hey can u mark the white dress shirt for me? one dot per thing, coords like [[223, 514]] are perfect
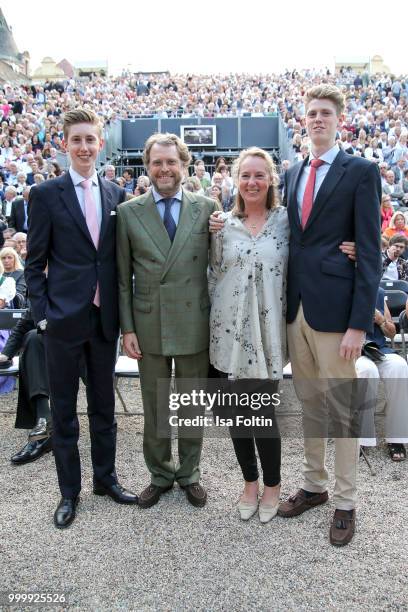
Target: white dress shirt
[[77, 179], [321, 172]]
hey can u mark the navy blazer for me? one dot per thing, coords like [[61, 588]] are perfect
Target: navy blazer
[[336, 293], [58, 235]]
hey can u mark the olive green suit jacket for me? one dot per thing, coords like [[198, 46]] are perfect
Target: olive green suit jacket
[[167, 304]]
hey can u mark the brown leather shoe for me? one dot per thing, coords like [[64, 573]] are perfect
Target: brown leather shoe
[[298, 503], [151, 495], [196, 494], [342, 528]]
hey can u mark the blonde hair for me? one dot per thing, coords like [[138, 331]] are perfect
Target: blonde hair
[[272, 198], [10, 251], [326, 92], [166, 140], [192, 184], [81, 115], [394, 216]]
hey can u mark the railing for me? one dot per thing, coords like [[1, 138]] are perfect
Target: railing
[[126, 138]]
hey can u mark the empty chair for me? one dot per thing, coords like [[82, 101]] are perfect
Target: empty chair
[[396, 301], [394, 285], [9, 317]]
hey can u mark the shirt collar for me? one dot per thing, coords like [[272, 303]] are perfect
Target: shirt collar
[[327, 157], [157, 197], [77, 178]]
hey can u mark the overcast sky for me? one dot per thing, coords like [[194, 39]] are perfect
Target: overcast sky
[[209, 37]]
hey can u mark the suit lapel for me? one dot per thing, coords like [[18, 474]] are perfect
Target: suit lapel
[[292, 192], [190, 211], [331, 179], [106, 204], [149, 217], [69, 197]]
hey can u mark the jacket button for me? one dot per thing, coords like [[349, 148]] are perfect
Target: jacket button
[[195, 257], [188, 304]]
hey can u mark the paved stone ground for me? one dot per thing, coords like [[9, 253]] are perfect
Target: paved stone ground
[[176, 557]]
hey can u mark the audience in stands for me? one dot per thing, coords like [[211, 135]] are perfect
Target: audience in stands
[[387, 211], [393, 189], [375, 126], [14, 269], [7, 294], [392, 369], [395, 267], [397, 225], [20, 238]]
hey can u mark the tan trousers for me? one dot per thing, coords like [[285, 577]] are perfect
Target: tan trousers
[[316, 364]]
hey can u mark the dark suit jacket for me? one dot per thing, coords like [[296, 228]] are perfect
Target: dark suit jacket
[[17, 217], [336, 294], [58, 235], [30, 178]]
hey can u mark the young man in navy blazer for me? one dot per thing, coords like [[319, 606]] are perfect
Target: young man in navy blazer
[[331, 197], [72, 223]]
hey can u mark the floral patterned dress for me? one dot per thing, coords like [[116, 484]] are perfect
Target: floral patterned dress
[[247, 286]]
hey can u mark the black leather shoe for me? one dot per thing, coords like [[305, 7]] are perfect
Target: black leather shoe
[[32, 451], [118, 493], [65, 512], [40, 431], [196, 494], [151, 495]]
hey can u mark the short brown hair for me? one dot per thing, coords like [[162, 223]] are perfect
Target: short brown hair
[[398, 238], [81, 115], [272, 198], [326, 92], [166, 140]]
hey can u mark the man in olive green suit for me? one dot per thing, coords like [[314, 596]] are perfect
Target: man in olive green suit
[[163, 243]]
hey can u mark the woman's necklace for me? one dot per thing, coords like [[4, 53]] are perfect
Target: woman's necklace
[[262, 219]]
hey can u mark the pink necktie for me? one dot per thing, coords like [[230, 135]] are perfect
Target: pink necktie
[[92, 223], [307, 202]]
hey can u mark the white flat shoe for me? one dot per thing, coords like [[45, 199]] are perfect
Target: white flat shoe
[[267, 512], [246, 509]]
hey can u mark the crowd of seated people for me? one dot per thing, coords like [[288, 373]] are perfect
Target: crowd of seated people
[[375, 126]]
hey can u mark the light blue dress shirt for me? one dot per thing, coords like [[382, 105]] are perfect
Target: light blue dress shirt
[[175, 208]]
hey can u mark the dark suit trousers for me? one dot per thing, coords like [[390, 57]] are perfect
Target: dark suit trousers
[[33, 379], [63, 359]]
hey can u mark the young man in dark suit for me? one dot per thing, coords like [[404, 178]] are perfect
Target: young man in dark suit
[[331, 197], [72, 222]]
